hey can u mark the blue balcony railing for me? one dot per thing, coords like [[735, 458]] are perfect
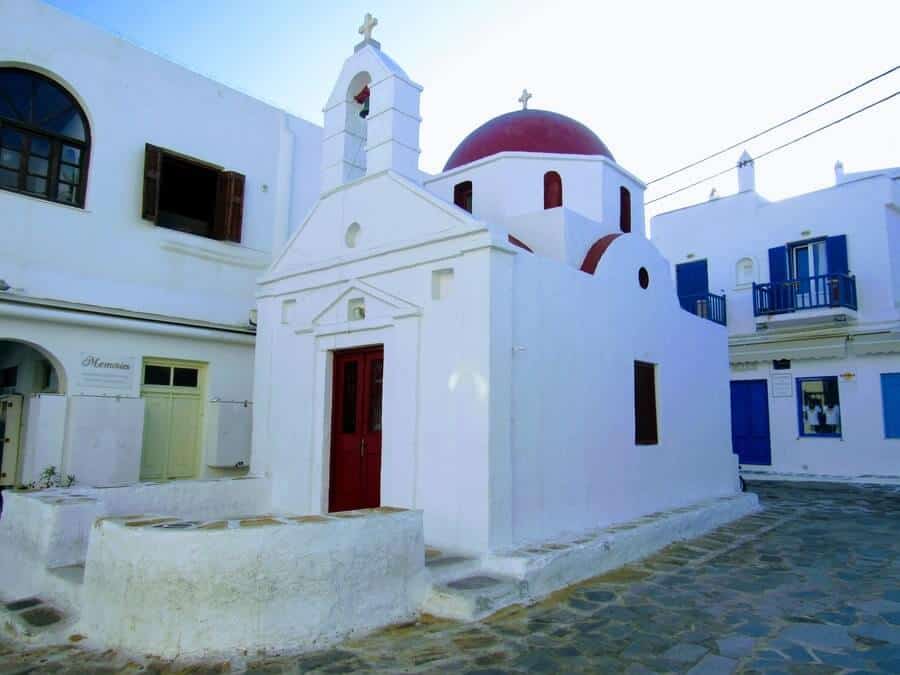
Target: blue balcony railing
[[793, 295], [706, 306]]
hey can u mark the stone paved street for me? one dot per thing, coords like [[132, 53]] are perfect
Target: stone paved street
[[809, 585]]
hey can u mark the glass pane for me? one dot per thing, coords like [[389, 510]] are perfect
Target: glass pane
[[70, 154], [38, 166], [348, 410], [185, 377], [9, 179], [10, 158], [376, 379], [68, 173], [54, 110], [157, 375], [40, 146], [12, 139], [820, 407], [15, 92], [36, 185], [65, 193]]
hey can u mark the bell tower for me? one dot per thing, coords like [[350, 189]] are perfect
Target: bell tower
[[371, 118]]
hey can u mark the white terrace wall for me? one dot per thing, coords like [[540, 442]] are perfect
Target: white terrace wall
[[575, 464], [105, 254]]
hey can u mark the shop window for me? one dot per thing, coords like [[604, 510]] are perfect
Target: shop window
[[553, 191], [890, 400], [44, 138], [645, 421], [624, 209], [819, 409], [462, 195], [158, 375], [185, 377], [188, 195]]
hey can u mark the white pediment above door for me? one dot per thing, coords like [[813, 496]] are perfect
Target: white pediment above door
[[358, 305]]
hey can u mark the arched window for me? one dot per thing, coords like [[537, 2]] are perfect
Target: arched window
[[745, 273], [624, 209], [552, 190], [462, 195], [44, 138]]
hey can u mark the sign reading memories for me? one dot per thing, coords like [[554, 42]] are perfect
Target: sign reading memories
[[103, 373]]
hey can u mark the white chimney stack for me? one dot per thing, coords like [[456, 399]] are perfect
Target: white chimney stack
[[838, 172], [746, 173]]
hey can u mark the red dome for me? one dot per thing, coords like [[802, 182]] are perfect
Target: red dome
[[528, 131]]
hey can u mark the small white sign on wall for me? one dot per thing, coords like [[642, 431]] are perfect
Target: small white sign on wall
[[103, 373], [782, 385]]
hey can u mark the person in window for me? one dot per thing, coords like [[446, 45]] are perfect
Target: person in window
[[832, 418], [811, 416]]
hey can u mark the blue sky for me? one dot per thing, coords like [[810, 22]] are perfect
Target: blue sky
[[662, 83]]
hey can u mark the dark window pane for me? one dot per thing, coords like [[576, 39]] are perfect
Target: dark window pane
[[156, 375], [15, 93], [39, 147], [820, 410], [185, 377], [645, 422], [38, 166], [376, 379], [12, 139], [10, 158], [9, 179], [36, 185], [66, 193], [68, 173], [348, 411], [54, 110], [70, 154]]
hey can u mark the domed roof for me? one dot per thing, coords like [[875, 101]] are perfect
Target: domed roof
[[528, 131]]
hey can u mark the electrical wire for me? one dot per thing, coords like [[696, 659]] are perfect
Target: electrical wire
[[779, 147], [777, 126]]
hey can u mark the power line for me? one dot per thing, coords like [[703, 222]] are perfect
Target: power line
[[779, 147], [777, 126]]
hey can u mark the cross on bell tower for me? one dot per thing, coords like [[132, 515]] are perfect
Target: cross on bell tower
[[368, 25], [524, 98]]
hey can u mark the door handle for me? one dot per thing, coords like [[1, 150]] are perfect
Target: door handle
[[362, 448]]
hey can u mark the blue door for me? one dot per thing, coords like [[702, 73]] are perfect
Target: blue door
[[750, 422], [692, 281]]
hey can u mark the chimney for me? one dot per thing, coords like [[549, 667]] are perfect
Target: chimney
[[746, 173]]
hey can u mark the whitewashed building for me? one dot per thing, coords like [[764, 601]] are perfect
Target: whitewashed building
[[138, 202], [812, 288]]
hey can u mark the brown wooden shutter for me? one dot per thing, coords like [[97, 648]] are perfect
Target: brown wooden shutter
[[229, 206], [152, 177]]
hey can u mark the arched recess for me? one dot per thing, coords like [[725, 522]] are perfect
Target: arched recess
[[553, 190], [45, 136], [358, 98], [11, 353], [744, 272]]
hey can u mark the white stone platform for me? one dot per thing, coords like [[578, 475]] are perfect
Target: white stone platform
[[525, 575]]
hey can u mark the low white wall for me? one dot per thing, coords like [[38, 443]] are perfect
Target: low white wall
[[204, 591], [575, 464]]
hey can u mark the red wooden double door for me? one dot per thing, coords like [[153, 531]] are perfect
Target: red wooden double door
[[355, 478]]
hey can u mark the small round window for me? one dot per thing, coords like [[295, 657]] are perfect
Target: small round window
[[643, 277]]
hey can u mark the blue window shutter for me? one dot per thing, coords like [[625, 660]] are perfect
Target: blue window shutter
[[836, 252], [778, 267], [890, 399]]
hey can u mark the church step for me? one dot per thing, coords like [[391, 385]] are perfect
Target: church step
[[65, 585], [474, 597], [443, 567], [34, 621]]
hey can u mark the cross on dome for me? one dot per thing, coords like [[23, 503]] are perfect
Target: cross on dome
[[524, 98], [368, 25]]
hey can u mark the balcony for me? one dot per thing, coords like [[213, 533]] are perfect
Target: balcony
[[706, 306], [795, 295]]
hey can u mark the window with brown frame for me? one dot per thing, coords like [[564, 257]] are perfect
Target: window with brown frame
[[553, 191], [44, 138], [185, 194], [462, 195], [624, 209], [645, 421]]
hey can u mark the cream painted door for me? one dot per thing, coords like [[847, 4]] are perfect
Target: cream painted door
[[10, 433], [173, 414]]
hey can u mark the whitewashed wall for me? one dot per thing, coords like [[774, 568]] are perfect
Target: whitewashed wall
[[575, 462]]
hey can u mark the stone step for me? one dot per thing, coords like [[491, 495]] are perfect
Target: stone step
[[443, 567], [65, 585], [34, 621], [474, 597]]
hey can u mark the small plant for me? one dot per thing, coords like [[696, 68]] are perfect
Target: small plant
[[50, 479]]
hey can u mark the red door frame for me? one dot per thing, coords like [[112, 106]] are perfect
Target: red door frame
[[355, 463]]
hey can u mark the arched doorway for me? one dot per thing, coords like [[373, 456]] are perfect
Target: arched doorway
[[26, 372]]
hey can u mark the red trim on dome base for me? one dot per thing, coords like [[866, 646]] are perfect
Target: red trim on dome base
[[518, 242], [595, 252], [528, 131]]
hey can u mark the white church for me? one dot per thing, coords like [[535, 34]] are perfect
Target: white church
[[307, 389]]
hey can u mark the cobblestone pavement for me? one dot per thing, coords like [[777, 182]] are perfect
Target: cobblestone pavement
[[809, 585]]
